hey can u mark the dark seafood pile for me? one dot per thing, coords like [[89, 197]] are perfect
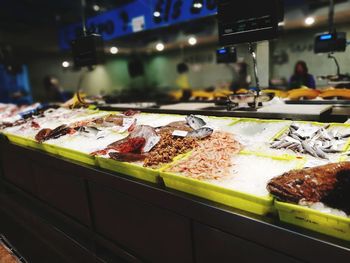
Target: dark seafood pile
[[158, 146], [329, 184], [48, 134], [168, 148]]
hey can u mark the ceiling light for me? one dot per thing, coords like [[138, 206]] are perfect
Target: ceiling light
[[65, 64], [192, 41], [198, 5], [96, 8], [114, 50], [310, 21], [160, 46], [156, 14]]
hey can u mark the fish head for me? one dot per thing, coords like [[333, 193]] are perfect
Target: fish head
[[195, 122]]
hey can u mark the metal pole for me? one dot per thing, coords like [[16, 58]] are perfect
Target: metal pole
[[83, 18], [331, 56], [253, 54], [331, 16]]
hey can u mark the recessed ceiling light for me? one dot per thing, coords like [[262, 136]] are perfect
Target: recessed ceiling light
[[65, 64], [198, 5], [96, 8], [192, 41], [160, 46], [310, 21], [156, 14], [114, 50]]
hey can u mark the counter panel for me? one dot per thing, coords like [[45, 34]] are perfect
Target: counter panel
[[154, 234], [17, 168], [137, 221], [212, 245], [64, 191]]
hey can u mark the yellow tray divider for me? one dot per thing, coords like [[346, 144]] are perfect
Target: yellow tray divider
[[305, 217], [234, 198]]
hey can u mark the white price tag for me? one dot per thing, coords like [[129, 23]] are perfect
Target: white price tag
[[150, 143], [180, 133]]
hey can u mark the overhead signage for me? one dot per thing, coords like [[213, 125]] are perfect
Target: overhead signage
[[139, 16]]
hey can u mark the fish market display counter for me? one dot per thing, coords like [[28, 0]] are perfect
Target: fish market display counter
[[91, 215], [321, 113]]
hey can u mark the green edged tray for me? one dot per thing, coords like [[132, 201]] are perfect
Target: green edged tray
[[233, 198], [130, 169], [342, 125], [278, 133], [42, 146], [305, 217], [15, 139], [76, 155]]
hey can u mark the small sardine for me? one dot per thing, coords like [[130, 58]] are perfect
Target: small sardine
[[309, 149], [195, 122], [201, 133], [285, 144], [345, 136], [275, 144], [320, 153]]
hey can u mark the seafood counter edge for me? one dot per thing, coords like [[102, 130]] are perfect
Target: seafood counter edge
[[117, 218]]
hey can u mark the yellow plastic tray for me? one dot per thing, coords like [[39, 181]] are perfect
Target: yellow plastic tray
[[76, 155], [243, 201], [277, 135], [15, 139], [233, 198], [27, 142], [343, 125], [305, 217], [42, 146], [130, 169]]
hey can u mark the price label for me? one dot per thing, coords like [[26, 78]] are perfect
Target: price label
[[180, 133]]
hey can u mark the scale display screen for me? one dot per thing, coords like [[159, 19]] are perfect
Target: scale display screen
[[330, 42], [226, 55], [248, 21]]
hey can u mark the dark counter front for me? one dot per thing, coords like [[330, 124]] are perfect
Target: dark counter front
[[89, 215]]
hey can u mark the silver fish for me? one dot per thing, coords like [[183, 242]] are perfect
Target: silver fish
[[285, 144], [320, 153], [345, 136], [201, 133], [195, 122], [276, 143], [309, 149]]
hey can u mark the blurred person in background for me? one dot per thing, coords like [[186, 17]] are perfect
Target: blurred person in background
[[54, 91], [14, 85], [242, 78], [301, 77], [182, 81]]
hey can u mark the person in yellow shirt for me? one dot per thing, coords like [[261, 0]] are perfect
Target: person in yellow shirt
[[182, 81]]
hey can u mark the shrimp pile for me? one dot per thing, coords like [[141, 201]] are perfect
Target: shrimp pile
[[212, 159]]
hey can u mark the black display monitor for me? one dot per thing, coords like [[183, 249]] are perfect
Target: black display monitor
[[226, 55], [330, 42], [88, 51], [248, 20]]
